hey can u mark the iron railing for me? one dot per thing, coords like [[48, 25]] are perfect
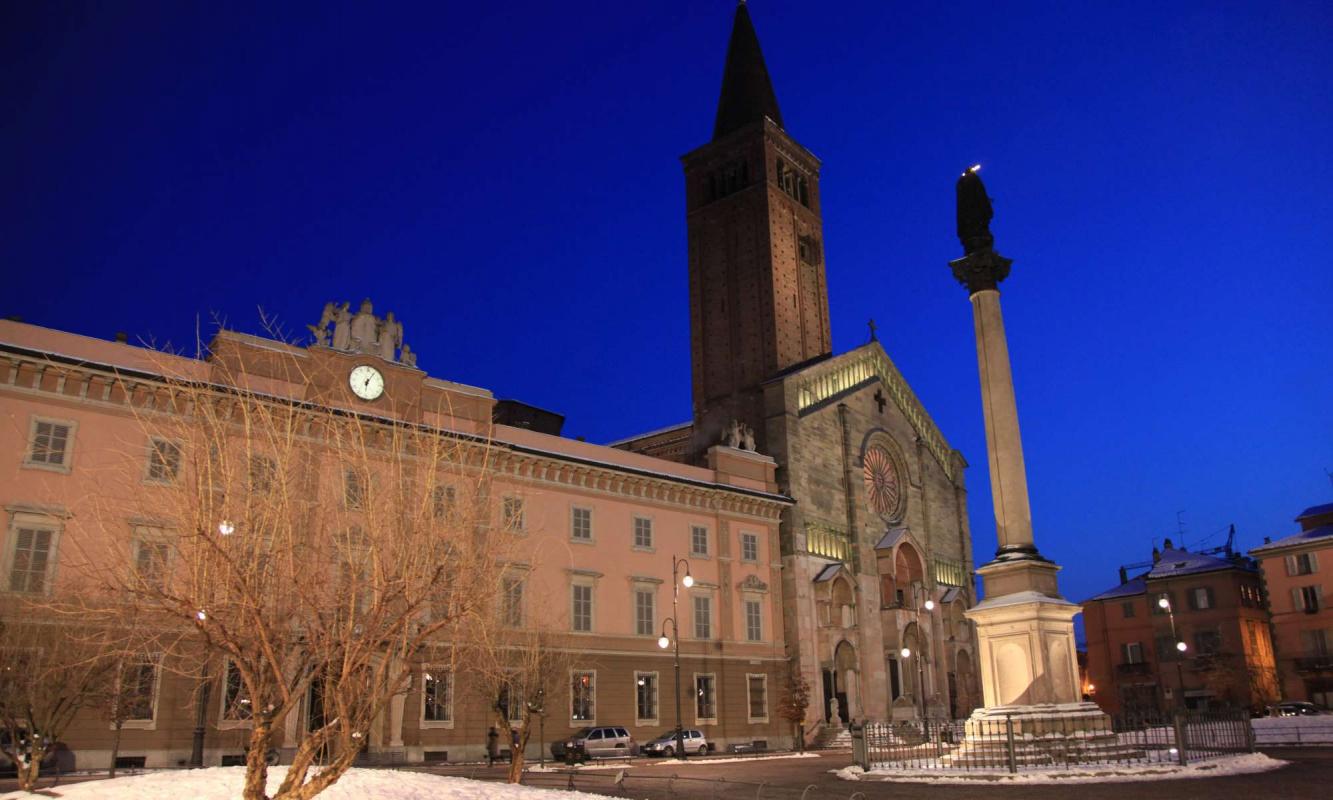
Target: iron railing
[[1015, 742]]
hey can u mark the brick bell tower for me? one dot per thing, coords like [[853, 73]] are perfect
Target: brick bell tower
[[758, 294]]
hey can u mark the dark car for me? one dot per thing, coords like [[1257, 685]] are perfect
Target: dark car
[[1296, 708]]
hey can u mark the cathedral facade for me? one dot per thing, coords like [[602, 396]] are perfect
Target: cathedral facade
[[876, 551]]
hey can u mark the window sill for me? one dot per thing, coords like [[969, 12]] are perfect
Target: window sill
[[576, 540], [757, 720], [703, 723], [62, 469], [654, 722], [136, 725], [435, 725], [643, 549]]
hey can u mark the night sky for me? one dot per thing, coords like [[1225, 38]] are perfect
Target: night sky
[[505, 178]]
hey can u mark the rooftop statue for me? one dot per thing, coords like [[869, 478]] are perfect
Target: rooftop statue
[[362, 332]]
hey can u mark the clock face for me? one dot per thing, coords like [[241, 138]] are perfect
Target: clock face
[[883, 492], [367, 383]]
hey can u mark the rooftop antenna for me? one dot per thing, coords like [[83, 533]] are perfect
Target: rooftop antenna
[[1330, 475], [1180, 527]]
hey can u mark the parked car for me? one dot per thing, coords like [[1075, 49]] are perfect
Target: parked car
[[665, 745], [1296, 708], [605, 741]]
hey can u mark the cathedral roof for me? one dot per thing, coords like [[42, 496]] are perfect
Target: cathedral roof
[[747, 93]]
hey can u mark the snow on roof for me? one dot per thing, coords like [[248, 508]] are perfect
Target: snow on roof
[[1175, 562], [1304, 537], [1326, 508], [827, 573], [1137, 586], [891, 538]]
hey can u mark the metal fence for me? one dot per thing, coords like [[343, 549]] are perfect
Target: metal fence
[[1017, 742]]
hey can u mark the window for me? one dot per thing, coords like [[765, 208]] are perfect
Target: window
[[138, 692], [1168, 648], [442, 501], [705, 698], [1249, 595], [749, 547], [1207, 643], [512, 515], [754, 628], [437, 695], [32, 560], [703, 617], [50, 444], [1302, 564], [1131, 653], [164, 460], [511, 611], [262, 472], [1127, 609], [645, 621], [1201, 598], [583, 696], [581, 607], [1317, 643], [643, 532], [150, 562], [809, 250], [1156, 600], [698, 540], [1307, 598], [511, 701], [580, 524], [645, 698], [757, 689], [235, 700], [354, 488]]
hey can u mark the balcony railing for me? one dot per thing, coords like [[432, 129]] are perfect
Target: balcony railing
[[1314, 663], [1134, 668]]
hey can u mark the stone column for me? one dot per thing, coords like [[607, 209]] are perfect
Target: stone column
[[1024, 627]]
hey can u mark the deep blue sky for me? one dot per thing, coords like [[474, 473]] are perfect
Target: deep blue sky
[[504, 177]]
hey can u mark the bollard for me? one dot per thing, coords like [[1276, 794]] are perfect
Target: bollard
[[1009, 736]]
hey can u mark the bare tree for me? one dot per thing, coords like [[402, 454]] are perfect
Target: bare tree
[[295, 552], [794, 701], [50, 670], [519, 670]]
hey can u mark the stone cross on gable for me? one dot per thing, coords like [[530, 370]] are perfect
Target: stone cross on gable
[[363, 333]]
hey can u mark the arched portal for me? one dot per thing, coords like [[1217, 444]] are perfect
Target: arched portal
[[840, 679]]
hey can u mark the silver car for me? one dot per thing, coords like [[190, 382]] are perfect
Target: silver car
[[665, 745], [606, 741]]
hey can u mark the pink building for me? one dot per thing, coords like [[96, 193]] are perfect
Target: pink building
[[602, 527], [1298, 572]]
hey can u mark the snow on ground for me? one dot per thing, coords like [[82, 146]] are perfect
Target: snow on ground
[[224, 783], [706, 761], [1315, 729], [1229, 765]]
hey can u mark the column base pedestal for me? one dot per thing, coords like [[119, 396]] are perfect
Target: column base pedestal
[[1046, 734]]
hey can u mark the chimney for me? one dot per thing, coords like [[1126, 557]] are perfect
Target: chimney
[[1124, 576], [1268, 540], [1156, 554], [1167, 545], [122, 337]]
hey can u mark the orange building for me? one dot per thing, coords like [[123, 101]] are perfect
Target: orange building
[[1192, 631], [1302, 622]]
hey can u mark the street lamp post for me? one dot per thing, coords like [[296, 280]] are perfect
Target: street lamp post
[[1164, 603], [921, 656], [664, 642]]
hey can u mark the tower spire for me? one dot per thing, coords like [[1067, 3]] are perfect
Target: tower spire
[[747, 93]]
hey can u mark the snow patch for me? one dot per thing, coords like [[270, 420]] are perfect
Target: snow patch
[[1230, 765], [224, 783], [706, 761]]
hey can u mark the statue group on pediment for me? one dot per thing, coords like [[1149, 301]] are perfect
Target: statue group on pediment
[[739, 435], [362, 332]]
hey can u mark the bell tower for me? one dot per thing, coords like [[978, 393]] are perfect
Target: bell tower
[[758, 294]]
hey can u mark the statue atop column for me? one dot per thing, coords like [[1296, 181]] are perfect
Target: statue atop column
[[980, 268], [362, 332]]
